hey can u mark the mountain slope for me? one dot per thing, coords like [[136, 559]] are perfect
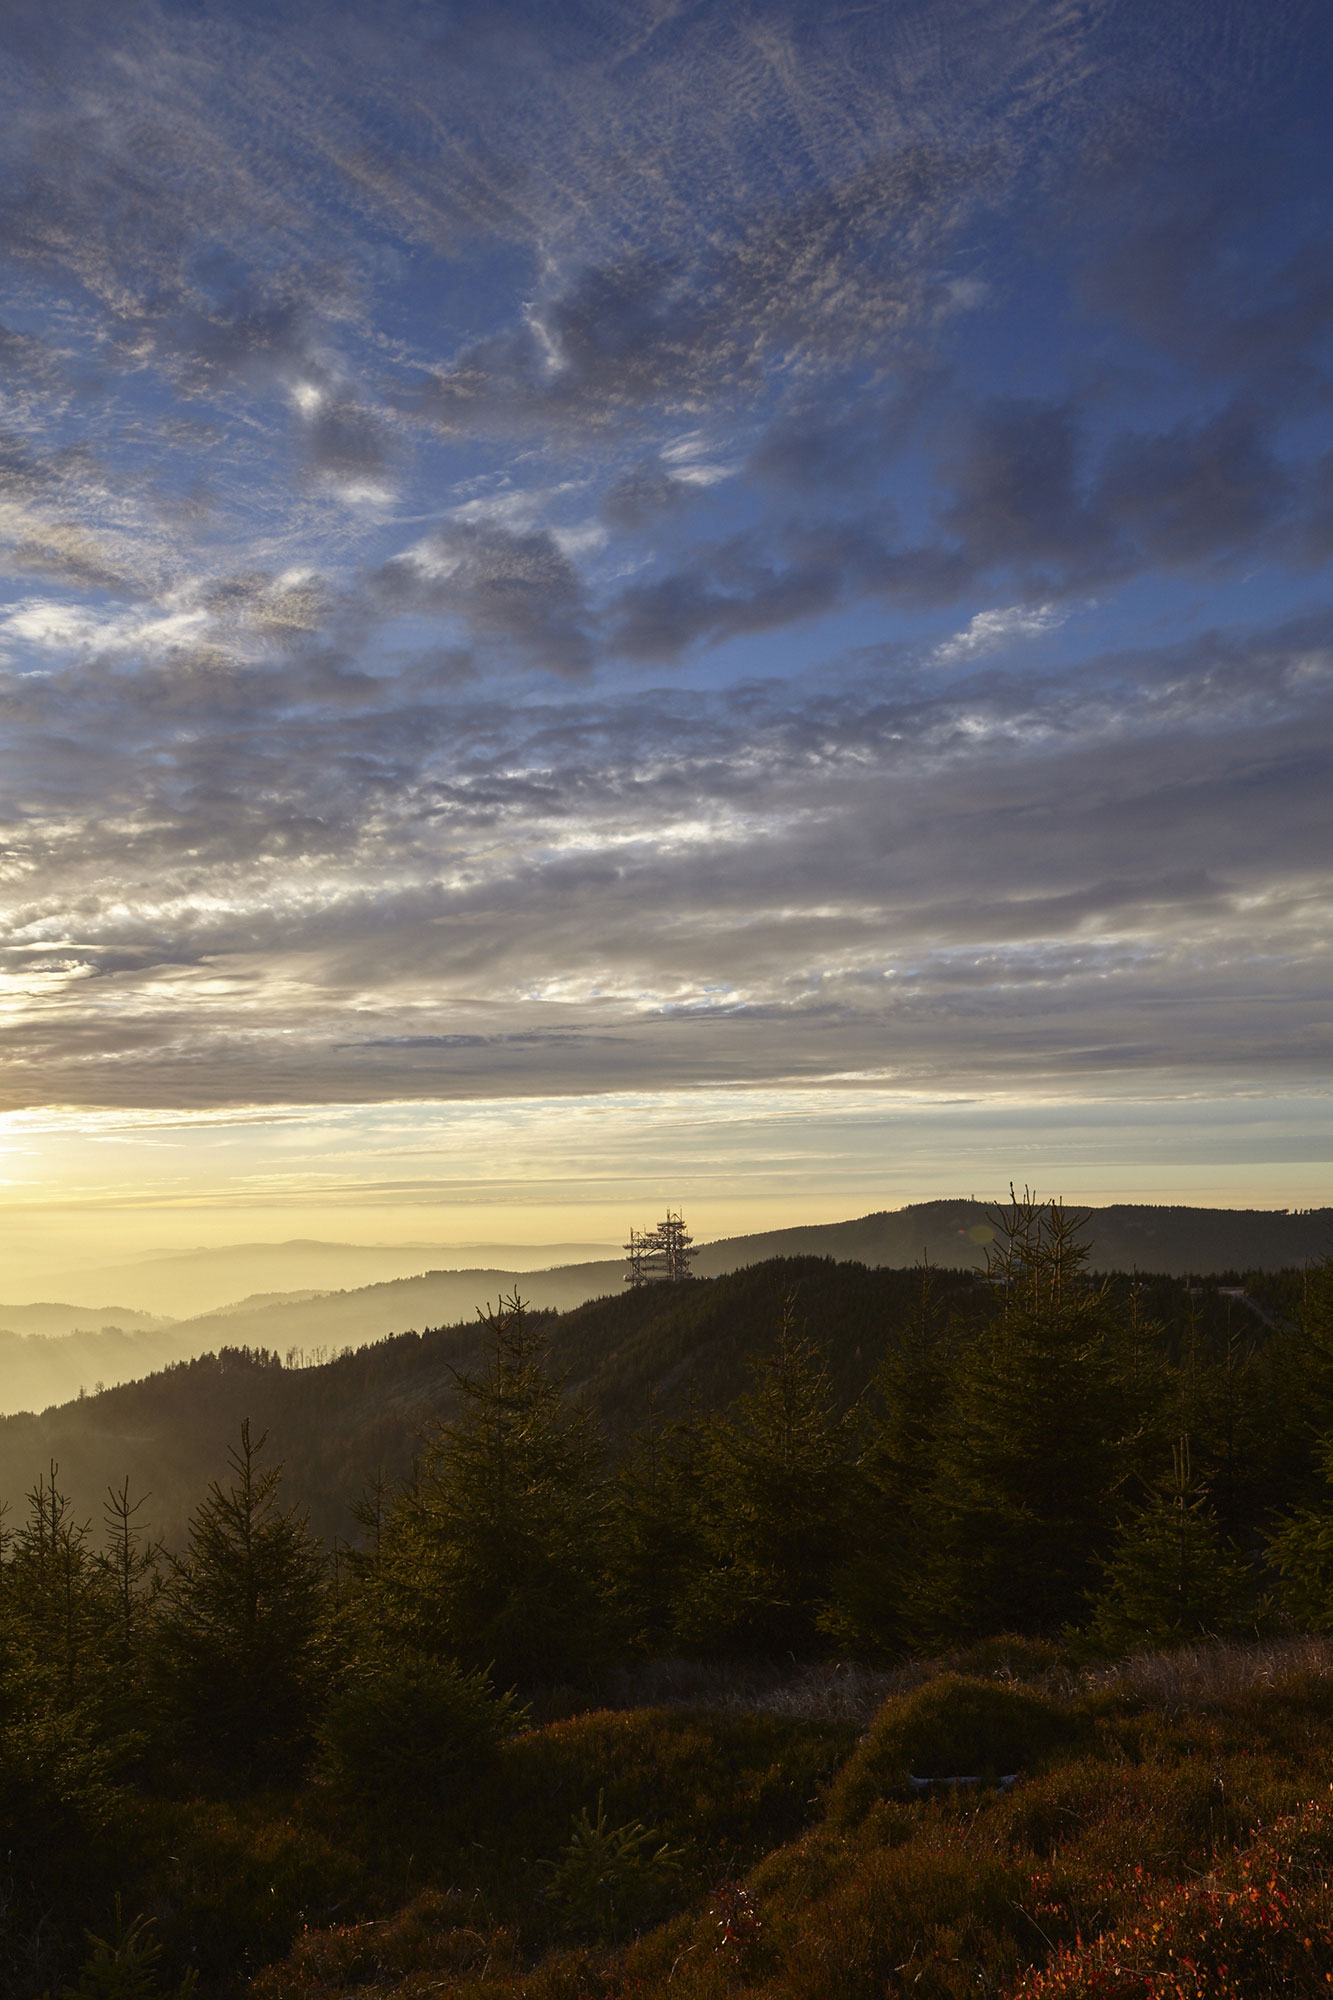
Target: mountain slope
[[951, 1233], [333, 1424], [1125, 1237], [658, 1348], [194, 1282], [317, 1324]]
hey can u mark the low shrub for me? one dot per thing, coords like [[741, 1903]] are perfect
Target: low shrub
[[1141, 1830], [414, 1736], [434, 1939], [233, 1885], [724, 1789], [1009, 1656], [956, 1726], [124, 1965], [1260, 1927]]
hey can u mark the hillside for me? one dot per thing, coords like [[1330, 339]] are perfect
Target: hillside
[[1126, 1237], [313, 1324], [192, 1282], [37, 1369], [334, 1421]]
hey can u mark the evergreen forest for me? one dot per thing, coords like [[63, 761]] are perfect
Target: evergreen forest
[[808, 1631]]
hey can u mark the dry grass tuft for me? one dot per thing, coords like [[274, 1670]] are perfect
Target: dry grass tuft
[[1216, 1674]]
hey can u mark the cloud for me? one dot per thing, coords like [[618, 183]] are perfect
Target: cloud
[[637, 498], [727, 592], [888, 872], [987, 631], [389, 407], [1196, 491], [1016, 500], [517, 590]]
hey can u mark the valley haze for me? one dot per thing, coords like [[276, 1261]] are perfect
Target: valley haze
[[50, 1352]]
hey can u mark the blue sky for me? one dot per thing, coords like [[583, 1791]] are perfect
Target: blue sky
[[611, 553]]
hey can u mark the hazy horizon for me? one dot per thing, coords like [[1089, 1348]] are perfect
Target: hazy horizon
[[206, 1278]]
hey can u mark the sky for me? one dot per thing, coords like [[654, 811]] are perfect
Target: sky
[[633, 602]]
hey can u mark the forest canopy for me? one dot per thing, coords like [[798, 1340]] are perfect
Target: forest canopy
[[853, 1470]]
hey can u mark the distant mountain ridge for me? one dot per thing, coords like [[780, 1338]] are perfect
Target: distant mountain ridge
[[189, 1283], [1172, 1240], [53, 1319], [1126, 1236]]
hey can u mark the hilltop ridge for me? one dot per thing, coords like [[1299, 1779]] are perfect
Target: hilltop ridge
[[1170, 1239]]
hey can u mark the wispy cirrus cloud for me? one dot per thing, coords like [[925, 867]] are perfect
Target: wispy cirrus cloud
[[488, 499]]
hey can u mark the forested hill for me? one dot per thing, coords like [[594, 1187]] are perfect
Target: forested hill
[[334, 1423], [36, 1371], [659, 1349], [1129, 1237]]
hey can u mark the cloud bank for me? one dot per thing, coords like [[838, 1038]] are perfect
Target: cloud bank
[[604, 548]]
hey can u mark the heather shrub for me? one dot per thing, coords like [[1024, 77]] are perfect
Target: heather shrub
[[1103, 1817], [724, 1788], [435, 1938], [955, 1726], [414, 1735], [1010, 1656], [234, 1886], [1260, 1927]]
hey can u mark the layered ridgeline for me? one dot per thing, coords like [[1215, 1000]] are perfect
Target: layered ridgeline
[[336, 1421], [48, 1353], [657, 1353]]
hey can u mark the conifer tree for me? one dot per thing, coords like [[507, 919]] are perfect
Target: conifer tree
[[654, 1534], [60, 1746], [58, 1607], [880, 1594], [240, 1635], [1033, 1446], [1301, 1550], [776, 1498], [1172, 1575], [1300, 1399], [129, 1564], [494, 1552]]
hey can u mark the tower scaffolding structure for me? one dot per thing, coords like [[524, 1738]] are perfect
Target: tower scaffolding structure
[[639, 1253], [676, 1248], [660, 1256]]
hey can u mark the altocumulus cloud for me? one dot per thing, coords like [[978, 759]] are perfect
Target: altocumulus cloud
[[578, 547]]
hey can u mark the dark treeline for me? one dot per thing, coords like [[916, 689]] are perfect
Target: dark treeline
[[1043, 1453]]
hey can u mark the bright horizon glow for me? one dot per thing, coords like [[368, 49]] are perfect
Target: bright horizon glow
[[83, 1192]]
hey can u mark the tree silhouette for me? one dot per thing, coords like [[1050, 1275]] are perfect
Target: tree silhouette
[[1032, 1448], [241, 1625], [1172, 1576], [493, 1553], [774, 1505]]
